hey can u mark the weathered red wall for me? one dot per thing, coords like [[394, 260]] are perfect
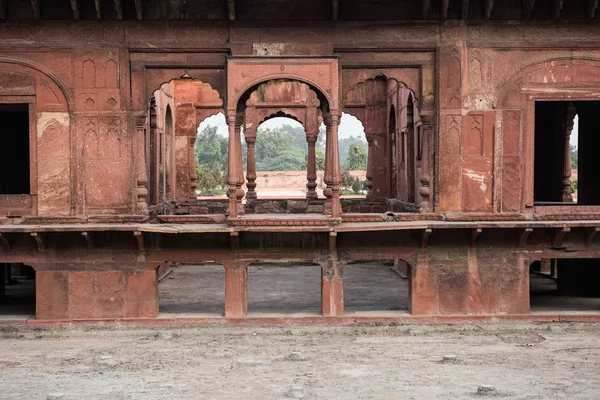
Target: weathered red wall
[[90, 79]]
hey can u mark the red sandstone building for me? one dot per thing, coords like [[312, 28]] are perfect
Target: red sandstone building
[[467, 108]]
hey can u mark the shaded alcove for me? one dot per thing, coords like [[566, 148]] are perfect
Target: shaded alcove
[[284, 288], [376, 286], [17, 291], [192, 290], [567, 285]]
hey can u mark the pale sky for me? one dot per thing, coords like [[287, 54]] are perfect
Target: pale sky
[[349, 125], [575, 132]]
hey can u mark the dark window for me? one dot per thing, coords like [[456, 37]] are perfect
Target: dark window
[[566, 168], [14, 149]]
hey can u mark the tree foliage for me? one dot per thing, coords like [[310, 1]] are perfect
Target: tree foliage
[[345, 149], [574, 156], [357, 158]]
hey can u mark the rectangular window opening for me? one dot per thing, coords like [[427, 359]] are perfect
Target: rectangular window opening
[[14, 149], [566, 169]]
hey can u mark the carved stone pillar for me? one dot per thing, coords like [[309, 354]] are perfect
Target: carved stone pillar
[[141, 177], [193, 177], [233, 165], [333, 175], [567, 196], [369, 174], [424, 178], [240, 171], [250, 136], [311, 167]]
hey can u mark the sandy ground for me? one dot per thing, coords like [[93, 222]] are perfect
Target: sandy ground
[[522, 361]]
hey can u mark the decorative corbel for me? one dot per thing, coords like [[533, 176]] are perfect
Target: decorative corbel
[[119, 9], [591, 236], [489, 7], [88, 240], [557, 242], [475, 234], [139, 238], [425, 235], [524, 236], [38, 241]]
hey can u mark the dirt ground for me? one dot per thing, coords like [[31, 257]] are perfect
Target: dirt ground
[[522, 361]]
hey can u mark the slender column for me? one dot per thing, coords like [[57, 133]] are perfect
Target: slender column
[[250, 136], [311, 168], [369, 175], [424, 177], [232, 166], [567, 196], [240, 171], [333, 175], [236, 288], [193, 176], [141, 177]]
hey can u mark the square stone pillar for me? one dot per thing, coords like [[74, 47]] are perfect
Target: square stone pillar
[[236, 289], [109, 292], [332, 289], [471, 281]]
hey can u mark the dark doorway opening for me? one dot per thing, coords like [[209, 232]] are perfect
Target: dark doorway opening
[[14, 149], [566, 168], [565, 285], [375, 286], [17, 291]]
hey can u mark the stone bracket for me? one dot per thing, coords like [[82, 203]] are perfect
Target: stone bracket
[[425, 235], [475, 234], [591, 236], [38, 241], [524, 236], [139, 238], [88, 240], [557, 241]]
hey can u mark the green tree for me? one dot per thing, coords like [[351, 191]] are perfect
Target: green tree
[[211, 149], [344, 145], [319, 160], [357, 158], [278, 151], [574, 156]]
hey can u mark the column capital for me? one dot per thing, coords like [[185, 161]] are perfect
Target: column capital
[[235, 264]]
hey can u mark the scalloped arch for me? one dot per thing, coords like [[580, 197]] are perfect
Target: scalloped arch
[[375, 76], [250, 86]]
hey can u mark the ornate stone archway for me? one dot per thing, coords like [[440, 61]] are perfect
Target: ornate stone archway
[[244, 75]]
